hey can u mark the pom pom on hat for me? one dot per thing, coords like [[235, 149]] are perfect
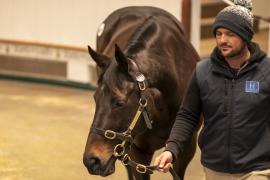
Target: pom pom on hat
[[238, 18], [245, 3]]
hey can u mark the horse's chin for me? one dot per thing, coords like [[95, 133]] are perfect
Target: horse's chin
[[105, 171]]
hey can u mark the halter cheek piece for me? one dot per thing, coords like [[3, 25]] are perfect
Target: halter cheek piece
[[126, 138]]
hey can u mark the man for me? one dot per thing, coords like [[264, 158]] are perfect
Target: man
[[231, 90]]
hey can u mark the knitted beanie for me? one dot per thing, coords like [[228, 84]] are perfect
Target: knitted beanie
[[238, 18]]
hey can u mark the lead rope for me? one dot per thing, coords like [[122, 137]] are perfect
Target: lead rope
[[143, 169]]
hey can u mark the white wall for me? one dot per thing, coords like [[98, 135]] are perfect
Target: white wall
[[195, 34], [269, 41], [262, 8], [64, 22]]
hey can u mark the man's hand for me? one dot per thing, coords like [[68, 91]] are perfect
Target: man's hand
[[164, 161]]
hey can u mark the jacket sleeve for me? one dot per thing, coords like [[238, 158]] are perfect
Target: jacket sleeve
[[187, 119]]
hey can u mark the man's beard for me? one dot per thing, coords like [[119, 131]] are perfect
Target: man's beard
[[234, 53]]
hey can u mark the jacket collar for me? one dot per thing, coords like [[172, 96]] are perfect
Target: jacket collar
[[221, 66]]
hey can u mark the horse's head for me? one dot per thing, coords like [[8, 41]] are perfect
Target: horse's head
[[117, 99]]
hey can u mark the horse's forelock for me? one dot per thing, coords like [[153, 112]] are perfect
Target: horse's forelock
[[114, 80]]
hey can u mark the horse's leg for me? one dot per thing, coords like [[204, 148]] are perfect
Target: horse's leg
[[184, 158], [142, 157]]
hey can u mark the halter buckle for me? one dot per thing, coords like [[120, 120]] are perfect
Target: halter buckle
[[126, 159], [142, 85], [141, 168], [109, 134], [140, 78]]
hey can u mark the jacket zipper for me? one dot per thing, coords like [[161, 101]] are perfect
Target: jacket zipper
[[230, 123], [231, 114]]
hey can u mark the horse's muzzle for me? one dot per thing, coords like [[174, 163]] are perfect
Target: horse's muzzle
[[95, 167]]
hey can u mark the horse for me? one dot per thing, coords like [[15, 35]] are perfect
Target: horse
[[144, 61]]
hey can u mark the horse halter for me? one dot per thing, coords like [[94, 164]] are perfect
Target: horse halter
[[126, 136]]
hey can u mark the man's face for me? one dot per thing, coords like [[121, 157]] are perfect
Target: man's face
[[229, 43]]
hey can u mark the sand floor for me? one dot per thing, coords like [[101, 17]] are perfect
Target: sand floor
[[43, 130]]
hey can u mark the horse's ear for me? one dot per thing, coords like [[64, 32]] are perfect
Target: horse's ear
[[101, 60], [120, 58], [125, 64]]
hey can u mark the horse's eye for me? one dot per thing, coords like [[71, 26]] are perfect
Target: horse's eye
[[118, 103]]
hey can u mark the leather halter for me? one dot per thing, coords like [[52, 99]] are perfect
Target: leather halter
[[126, 137]]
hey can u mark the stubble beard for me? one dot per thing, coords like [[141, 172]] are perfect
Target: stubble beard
[[233, 53]]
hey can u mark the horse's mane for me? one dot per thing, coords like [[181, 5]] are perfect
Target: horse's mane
[[143, 37]]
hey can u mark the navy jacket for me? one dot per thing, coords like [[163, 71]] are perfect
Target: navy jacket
[[235, 137]]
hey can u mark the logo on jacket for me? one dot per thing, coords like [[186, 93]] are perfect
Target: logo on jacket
[[252, 86]]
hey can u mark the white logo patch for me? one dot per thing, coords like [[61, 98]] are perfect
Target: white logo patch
[[101, 29], [252, 87]]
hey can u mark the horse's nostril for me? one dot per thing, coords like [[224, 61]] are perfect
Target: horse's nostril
[[92, 163]]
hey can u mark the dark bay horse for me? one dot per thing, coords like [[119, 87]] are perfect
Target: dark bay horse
[[145, 74]]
